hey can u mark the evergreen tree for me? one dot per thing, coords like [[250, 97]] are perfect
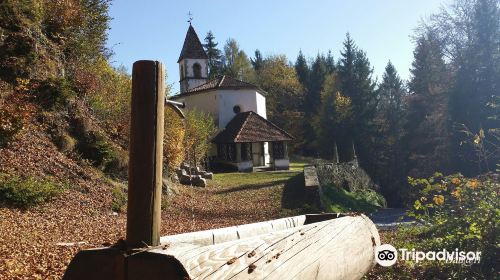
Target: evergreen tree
[[312, 102], [302, 69], [428, 129], [390, 121], [215, 66], [257, 61], [317, 78], [330, 63], [355, 74], [236, 62]]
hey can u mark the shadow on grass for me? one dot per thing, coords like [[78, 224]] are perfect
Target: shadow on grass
[[252, 187], [296, 196]]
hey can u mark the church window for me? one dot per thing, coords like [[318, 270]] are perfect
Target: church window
[[278, 150], [237, 109], [182, 71], [197, 70], [227, 152], [246, 151]]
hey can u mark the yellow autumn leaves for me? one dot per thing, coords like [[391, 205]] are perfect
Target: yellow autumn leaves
[[438, 192], [438, 199]]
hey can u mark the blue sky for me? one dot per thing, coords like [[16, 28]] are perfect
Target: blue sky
[[155, 29]]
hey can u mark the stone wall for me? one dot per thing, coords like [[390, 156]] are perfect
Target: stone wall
[[347, 175]]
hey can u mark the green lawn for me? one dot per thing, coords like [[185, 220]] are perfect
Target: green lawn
[[297, 163], [238, 180]]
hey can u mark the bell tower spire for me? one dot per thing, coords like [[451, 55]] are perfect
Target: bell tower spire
[[193, 61]]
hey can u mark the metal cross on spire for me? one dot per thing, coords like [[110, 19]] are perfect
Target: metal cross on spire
[[190, 17]]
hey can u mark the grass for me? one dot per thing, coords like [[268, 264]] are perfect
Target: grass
[[297, 163], [340, 200], [236, 179]]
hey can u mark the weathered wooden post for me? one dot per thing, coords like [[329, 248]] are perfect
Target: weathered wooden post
[[146, 154]]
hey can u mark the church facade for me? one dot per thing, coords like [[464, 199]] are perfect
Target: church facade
[[245, 139]]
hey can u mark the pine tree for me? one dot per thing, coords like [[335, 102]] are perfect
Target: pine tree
[[390, 122], [355, 74], [312, 102], [428, 129], [302, 69], [215, 66], [330, 63], [317, 78], [257, 61]]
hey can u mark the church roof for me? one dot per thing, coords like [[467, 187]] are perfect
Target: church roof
[[250, 127], [221, 82], [192, 47]]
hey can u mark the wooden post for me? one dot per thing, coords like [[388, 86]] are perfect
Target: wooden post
[[146, 154]]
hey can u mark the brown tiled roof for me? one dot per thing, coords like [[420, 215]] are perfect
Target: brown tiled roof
[[249, 127], [192, 47], [220, 82]]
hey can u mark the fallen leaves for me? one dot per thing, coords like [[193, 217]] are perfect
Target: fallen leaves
[[39, 243]]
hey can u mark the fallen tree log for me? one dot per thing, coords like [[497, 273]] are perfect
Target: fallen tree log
[[315, 247]]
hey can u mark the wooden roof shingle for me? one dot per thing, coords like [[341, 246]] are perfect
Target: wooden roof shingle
[[249, 127], [220, 82]]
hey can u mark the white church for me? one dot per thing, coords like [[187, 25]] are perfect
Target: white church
[[246, 139]]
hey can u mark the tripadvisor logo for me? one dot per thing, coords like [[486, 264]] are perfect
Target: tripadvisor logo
[[387, 255]]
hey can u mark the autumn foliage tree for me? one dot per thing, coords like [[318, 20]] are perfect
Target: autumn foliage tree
[[284, 98], [200, 128], [173, 139]]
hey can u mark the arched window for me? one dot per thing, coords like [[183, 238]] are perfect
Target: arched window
[[182, 71], [197, 70]]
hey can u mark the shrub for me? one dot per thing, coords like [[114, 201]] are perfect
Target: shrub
[[65, 142], [119, 203], [173, 140], [54, 92], [108, 92], [94, 147], [118, 164], [27, 192], [340, 200], [461, 213], [199, 128]]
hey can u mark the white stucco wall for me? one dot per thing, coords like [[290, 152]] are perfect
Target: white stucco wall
[[186, 71], [248, 100], [261, 105], [204, 102], [245, 166], [281, 164]]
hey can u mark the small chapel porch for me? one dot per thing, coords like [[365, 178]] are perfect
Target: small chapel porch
[[250, 141], [244, 157]]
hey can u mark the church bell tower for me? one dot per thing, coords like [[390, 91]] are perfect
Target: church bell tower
[[193, 62]]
